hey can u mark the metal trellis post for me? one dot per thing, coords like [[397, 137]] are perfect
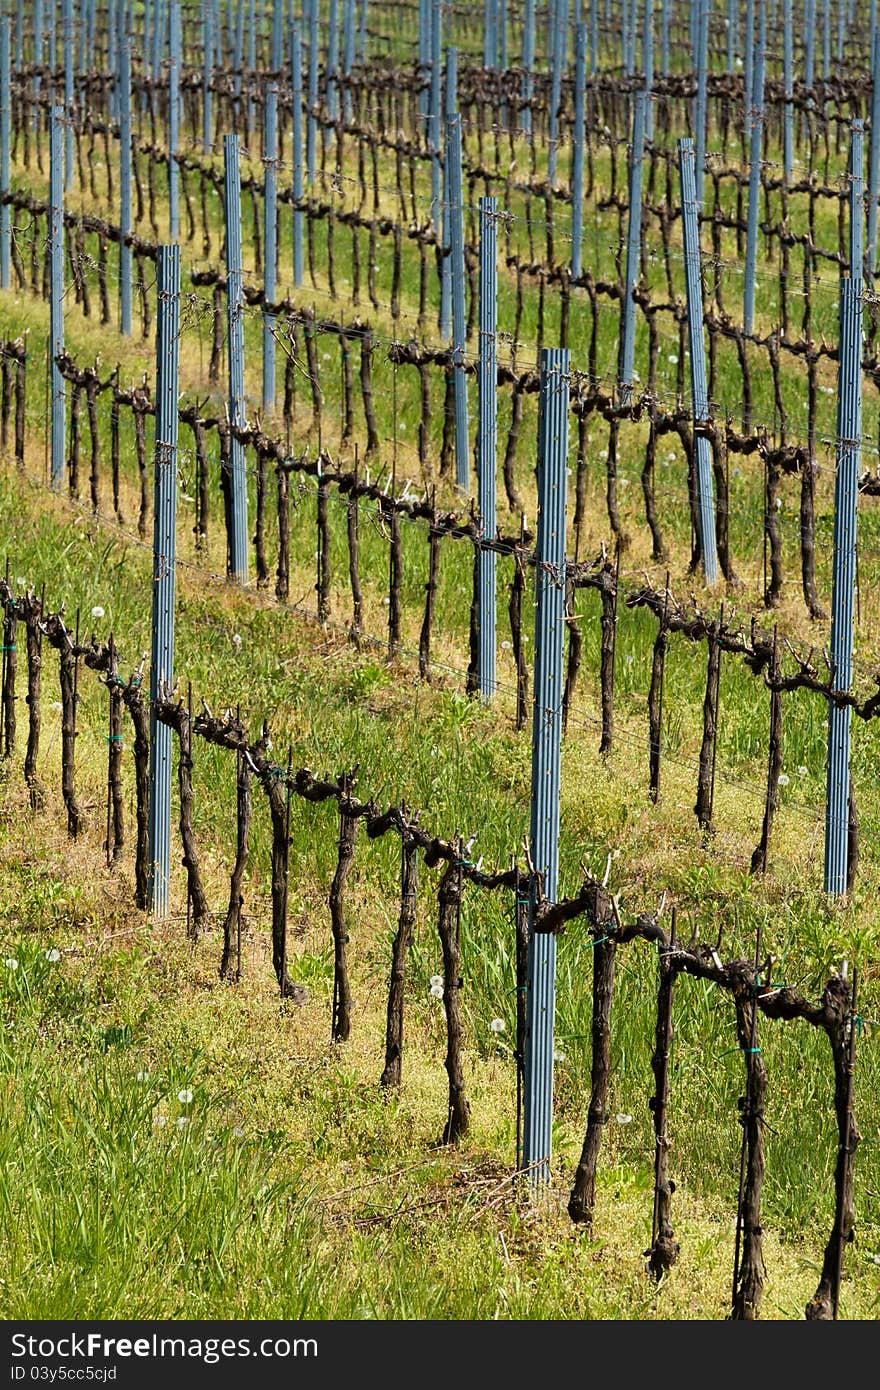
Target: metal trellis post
[[703, 468], [788, 85], [435, 127], [459, 318], [577, 169], [873, 158], [270, 244], [546, 756], [559, 35], [702, 80], [125, 204], [486, 453], [238, 542], [56, 309], [648, 65], [756, 143], [347, 54], [207, 79], [297, 155], [333, 60], [5, 135], [68, 36], [528, 63], [633, 248], [164, 565], [849, 426], [451, 108], [174, 62], [312, 124]]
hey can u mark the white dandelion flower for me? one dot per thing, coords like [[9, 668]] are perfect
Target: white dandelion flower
[[783, 779], [497, 1025], [436, 991], [184, 1097], [623, 1119], [559, 1056], [11, 963], [182, 1121], [97, 611], [143, 1075], [52, 955]]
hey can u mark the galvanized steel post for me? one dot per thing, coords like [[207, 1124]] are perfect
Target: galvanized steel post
[[459, 315], [665, 19], [849, 430], [486, 437], [68, 37], [873, 158], [490, 35], [435, 126], [425, 58], [788, 91], [174, 61], [748, 76], [270, 244], [207, 80], [164, 571], [648, 66], [125, 202], [333, 60], [594, 37], [56, 304], [546, 756], [857, 200], [559, 40], [528, 63], [633, 248], [699, 390], [347, 54], [810, 37], [577, 168], [700, 115], [238, 541], [297, 153], [362, 33], [451, 109], [312, 123], [5, 137], [39, 37], [756, 142]]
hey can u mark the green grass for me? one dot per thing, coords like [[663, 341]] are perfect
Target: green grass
[[296, 1187]]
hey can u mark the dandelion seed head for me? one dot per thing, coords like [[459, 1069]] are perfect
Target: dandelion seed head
[[623, 1119], [97, 611], [436, 991], [11, 963], [497, 1025], [52, 955], [184, 1097]]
